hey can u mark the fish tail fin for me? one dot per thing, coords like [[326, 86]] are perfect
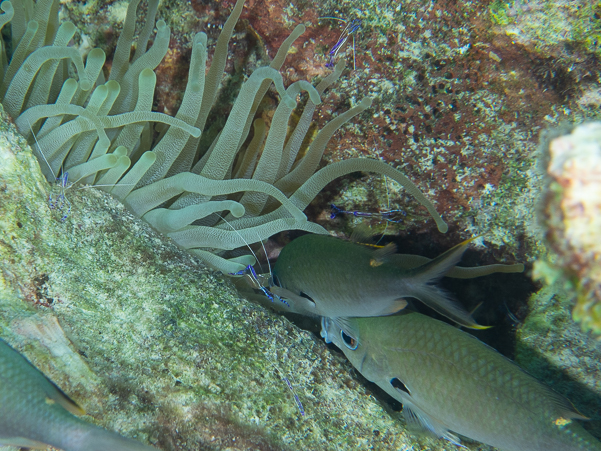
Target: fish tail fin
[[423, 284], [98, 439]]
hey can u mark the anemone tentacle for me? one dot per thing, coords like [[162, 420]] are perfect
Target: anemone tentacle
[[105, 132]]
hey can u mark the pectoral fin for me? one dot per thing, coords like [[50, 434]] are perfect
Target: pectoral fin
[[419, 421], [362, 235], [395, 306], [381, 255], [298, 303], [63, 400]]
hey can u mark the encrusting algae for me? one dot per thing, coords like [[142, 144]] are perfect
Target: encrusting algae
[[571, 216], [175, 394]]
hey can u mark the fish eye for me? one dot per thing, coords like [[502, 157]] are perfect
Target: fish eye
[[349, 341]]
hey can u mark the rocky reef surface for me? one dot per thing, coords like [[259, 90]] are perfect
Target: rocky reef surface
[[155, 346]]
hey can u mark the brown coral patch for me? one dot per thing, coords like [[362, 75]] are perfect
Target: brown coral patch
[[271, 21], [172, 76], [446, 103]]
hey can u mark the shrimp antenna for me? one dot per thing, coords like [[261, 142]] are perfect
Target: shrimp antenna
[[285, 379], [40, 149], [388, 207], [265, 252], [245, 242]]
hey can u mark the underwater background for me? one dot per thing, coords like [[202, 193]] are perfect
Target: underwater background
[[159, 348]]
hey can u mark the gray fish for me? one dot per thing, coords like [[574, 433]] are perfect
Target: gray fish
[[451, 383], [35, 413], [326, 276]]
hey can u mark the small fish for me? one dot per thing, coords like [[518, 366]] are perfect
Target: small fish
[[35, 413], [451, 383], [326, 276]]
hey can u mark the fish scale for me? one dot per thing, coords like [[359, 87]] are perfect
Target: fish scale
[[454, 383]]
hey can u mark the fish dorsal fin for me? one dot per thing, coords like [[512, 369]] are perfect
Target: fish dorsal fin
[[58, 396], [419, 421], [379, 256], [361, 235]]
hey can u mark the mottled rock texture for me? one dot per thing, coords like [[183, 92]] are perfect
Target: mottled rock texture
[[160, 349], [155, 346], [571, 216]]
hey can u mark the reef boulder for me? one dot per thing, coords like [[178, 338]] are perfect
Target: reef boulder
[[571, 216]]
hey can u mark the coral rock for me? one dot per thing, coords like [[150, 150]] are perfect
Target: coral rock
[[572, 213]]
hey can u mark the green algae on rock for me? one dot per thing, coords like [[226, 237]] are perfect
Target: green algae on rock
[[154, 346], [545, 26]]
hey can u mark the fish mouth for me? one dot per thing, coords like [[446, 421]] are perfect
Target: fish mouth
[[325, 324]]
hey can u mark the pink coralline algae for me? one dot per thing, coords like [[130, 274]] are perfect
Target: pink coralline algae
[[572, 216]]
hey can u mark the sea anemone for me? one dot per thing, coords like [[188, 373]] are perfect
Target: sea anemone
[[101, 131]]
